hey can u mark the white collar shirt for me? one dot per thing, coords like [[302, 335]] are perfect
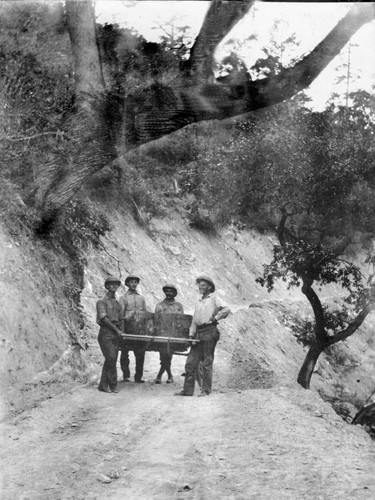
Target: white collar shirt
[[208, 309]]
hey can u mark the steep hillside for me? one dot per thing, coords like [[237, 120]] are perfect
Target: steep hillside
[[259, 345], [44, 350], [40, 352]]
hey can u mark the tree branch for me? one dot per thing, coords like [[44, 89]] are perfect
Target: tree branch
[[281, 227], [189, 102], [353, 327], [340, 248], [57, 133], [289, 81], [221, 17], [320, 331]]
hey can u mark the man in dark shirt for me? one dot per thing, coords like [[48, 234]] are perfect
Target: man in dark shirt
[[167, 306], [109, 317]]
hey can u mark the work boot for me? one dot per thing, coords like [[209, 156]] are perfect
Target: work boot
[[104, 389], [202, 394], [139, 381], [170, 380], [158, 380], [182, 393], [115, 390]]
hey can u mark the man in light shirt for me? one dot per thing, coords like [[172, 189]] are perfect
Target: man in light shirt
[[208, 311], [132, 302]]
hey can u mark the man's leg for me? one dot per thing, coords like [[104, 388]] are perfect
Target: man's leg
[[109, 347], [112, 369], [199, 375], [168, 362], [165, 362], [124, 363], [190, 369], [207, 365], [162, 367], [139, 362]]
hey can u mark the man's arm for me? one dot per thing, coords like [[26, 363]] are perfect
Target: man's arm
[[123, 303], [108, 323], [122, 314], [193, 329], [143, 305], [222, 310], [103, 319]]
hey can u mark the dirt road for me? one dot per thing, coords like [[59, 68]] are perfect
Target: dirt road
[[145, 443]]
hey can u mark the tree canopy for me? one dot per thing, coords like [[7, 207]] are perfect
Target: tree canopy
[[110, 115]]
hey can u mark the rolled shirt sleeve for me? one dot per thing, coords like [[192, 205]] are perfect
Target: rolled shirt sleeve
[[108, 308], [223, 309], [101, 311]]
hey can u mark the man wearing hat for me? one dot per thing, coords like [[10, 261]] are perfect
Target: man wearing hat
[[131, 302], [208, 311], [167, 306], [109, 317]]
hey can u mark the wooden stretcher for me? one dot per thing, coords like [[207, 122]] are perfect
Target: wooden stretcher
[[158, 332]]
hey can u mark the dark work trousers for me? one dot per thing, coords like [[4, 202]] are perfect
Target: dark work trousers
[[165, 363], [204, 352], [139, 362], [109, 344]]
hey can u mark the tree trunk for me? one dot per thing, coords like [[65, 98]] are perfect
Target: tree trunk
[[88, 147], [89, 81], [307, 368]]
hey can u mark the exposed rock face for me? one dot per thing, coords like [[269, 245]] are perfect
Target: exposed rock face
[[40, 337]]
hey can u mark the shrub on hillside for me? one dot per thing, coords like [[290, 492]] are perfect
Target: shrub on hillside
[[79, 227]]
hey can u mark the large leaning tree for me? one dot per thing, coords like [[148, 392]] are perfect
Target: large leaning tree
[[311, 266], [321, 193], [195, 95]]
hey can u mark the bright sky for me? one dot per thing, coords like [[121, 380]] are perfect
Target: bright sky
[[309, 21]]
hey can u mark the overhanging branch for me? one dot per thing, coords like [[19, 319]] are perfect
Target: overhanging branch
[[193, 102], [353, 327], [221, 17]]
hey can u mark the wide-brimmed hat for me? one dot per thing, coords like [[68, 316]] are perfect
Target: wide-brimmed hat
[[171, 287], [131, 277], [112, 279], [207, 279]]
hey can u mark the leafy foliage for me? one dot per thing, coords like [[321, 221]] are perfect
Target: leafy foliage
[[80, 226], [294, 261], [37, 92], [335, 321]]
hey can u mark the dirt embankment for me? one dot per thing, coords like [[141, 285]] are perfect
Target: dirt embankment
[[260, 338], [39, 327]]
